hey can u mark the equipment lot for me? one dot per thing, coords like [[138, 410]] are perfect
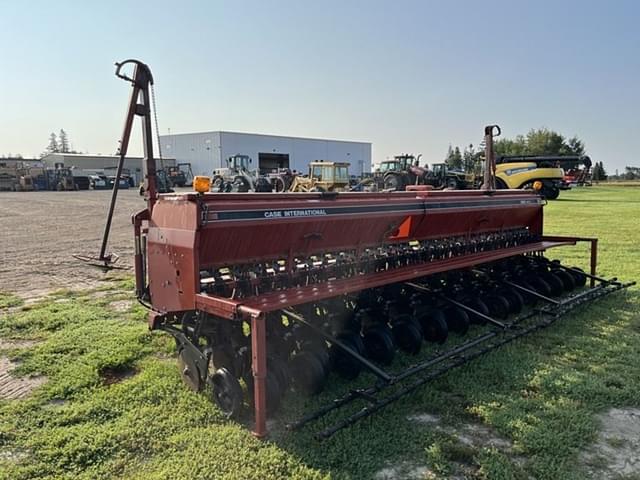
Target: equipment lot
[[559, 404]]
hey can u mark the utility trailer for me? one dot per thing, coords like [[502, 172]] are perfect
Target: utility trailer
[[269, 291]]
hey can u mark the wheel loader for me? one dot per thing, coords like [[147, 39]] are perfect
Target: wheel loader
[[239, 177]]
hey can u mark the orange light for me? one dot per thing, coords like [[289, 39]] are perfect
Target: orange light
[[201, 183], [537, 185]]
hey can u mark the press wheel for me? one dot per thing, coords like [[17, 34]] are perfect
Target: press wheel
[[227, 392]]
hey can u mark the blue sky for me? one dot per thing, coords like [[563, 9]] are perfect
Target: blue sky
[[409, 76]]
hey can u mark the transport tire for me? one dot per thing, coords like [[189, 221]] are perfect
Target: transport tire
[[434, 325], [378, 343], [457, 320], [226, 393]]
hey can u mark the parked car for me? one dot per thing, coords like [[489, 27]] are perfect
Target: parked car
[[124, 182], [98, 182]]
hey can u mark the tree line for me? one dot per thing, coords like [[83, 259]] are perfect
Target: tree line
[[541, 141], [59, 143]]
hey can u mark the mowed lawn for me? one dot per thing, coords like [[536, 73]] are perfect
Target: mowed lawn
[[114, 405]]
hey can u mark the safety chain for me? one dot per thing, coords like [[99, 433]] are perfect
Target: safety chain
[[155, 118]]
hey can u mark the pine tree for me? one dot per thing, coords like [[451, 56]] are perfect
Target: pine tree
[[53, 144], [63, 142]]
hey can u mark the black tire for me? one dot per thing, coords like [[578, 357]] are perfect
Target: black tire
[[539, 285], [434, 325], [378, 343], [319, 349], [407, 334], [393, 182], [528, 298], [280, 371], [217, 184], [498, 305], [452, 184], [568, 282], [515, 299], [579, 276], [551, 193], [457, 320], [307, 372], [479, 306], [240, 185], [500, 184], [344, 364], [556, 285], [227, 393], [263, 185]]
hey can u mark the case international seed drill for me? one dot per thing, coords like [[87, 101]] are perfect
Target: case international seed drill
[[269, 291]]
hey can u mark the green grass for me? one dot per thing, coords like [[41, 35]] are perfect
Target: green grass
[[8, 300], [542, 392]]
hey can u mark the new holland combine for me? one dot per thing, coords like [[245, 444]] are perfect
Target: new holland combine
[[266, 293]]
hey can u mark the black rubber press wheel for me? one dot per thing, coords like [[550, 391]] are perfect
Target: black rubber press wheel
[[568, 282], [457, 320], [498, 306], [556, 285], [579, 276], [378, 343], [344, 364], [407, 334], [308, 373], [227, 392], [434, 325], [479, 306], [515, 299]]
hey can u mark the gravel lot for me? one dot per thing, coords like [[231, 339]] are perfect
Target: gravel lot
[[40, 231]]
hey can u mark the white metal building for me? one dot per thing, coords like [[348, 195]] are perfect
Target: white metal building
[[208, 150]]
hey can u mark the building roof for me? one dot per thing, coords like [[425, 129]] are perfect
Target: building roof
[[264, 135], [97, 155]]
